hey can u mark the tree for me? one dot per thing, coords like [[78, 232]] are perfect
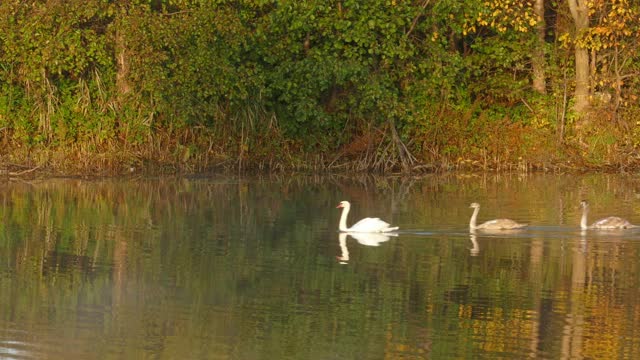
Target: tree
[[502, 34], [613, 41], [537, 60], [580, 14]]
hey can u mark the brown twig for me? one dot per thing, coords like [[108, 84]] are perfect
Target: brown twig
[[20, 173], [415, 20]]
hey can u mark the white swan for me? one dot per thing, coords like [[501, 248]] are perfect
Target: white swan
[[611, 222], [366, 225], [497, 224], [370, 239]]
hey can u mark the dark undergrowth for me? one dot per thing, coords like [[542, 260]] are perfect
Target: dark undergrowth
[[502, 147]]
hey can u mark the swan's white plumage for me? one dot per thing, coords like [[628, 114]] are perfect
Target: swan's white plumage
[[370, 239], [366, 225]]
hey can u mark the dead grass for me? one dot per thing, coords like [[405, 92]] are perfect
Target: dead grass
[[501, 146]]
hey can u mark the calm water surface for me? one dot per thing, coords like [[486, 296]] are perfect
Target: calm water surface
[[253, 268]]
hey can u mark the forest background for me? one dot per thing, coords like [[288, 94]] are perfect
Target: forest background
[[354, 85]]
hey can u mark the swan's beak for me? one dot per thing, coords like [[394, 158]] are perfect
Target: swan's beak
[[339, 206]]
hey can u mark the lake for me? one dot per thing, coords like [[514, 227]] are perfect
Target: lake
[[254, 268]]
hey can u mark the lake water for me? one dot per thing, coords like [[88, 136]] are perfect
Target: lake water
[[254, 268]]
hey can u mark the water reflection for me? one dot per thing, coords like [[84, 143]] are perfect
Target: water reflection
[[12, 349], [344, 250], [499, 233], [475, 250], [367, 239], [246, 269], [583, 241]]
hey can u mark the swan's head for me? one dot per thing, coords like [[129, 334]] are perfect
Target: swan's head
[[474, 205], [343, 204], [584, 204]]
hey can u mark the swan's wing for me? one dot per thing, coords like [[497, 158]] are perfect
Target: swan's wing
[[501, 224], [366, 224], [612, 222], [369, 225]]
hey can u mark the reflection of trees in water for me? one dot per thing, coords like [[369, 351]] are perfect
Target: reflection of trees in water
[[126, 238], [249, 269], [574, 307]]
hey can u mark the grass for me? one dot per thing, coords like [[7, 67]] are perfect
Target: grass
[[259, 146]]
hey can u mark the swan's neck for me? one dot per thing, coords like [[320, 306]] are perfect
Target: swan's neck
[[583, 220], [342, 226], [472, 222]]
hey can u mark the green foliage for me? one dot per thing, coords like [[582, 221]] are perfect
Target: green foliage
[[190, 68], [326, 65], [503, 64], [313, 76], [49, 40]]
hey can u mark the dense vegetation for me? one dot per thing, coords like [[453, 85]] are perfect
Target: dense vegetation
[[379, 85]]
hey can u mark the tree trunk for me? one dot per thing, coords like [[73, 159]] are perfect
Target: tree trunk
[[580, 14], [537, 61], [122, 61], [122, 53]]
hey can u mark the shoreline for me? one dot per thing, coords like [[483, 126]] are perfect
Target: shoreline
[[11, 170]]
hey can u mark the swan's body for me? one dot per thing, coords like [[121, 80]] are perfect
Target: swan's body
[[497, 224], [370, 239], [366, 225], [608, 223]]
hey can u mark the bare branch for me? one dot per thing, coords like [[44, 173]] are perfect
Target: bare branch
[[415, 20]]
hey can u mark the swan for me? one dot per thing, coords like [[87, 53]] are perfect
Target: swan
[[611, 222], [497, 224], [366, 225], [370, 239]]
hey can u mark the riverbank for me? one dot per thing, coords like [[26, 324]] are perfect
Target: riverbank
[[191, 160]]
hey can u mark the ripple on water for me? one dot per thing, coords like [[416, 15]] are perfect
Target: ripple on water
[[40, 343], [13, 347]]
